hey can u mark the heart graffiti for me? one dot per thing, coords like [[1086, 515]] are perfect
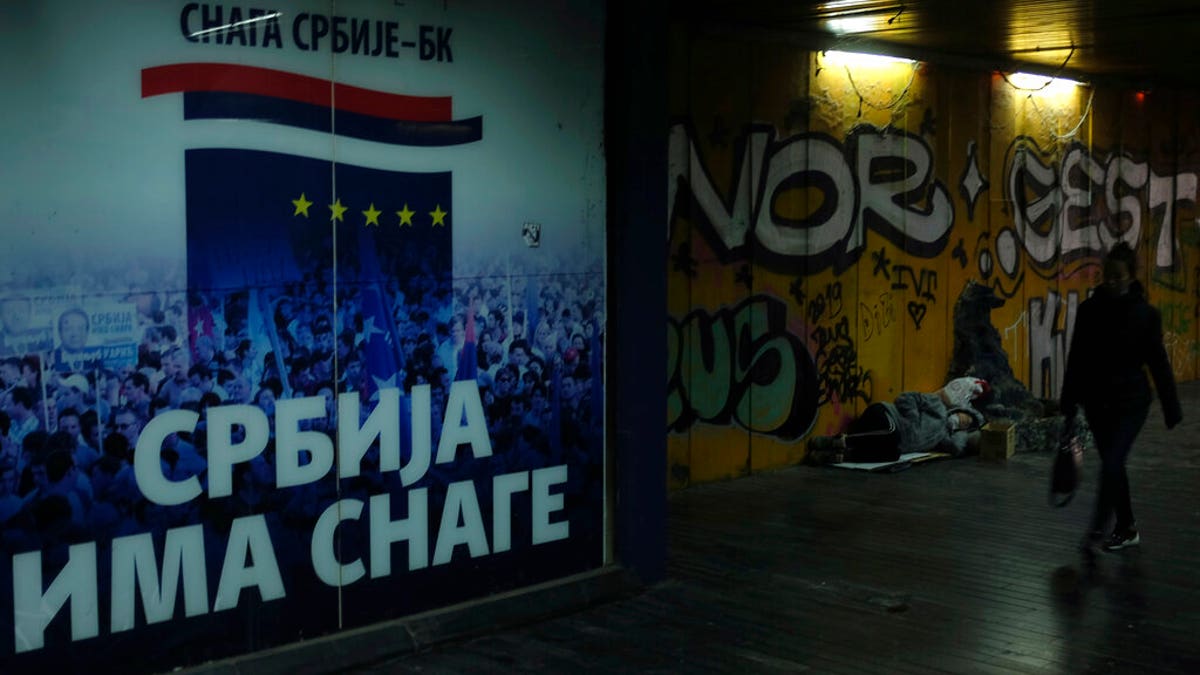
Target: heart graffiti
[[917, 310]]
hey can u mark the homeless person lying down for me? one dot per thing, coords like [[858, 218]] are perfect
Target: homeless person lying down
[[944, 421]]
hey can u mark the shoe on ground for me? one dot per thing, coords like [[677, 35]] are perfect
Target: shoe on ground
[[822, 443], [823, 450], [1122, 539]]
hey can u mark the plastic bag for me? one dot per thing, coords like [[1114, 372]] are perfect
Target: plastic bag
[[1068, 466]]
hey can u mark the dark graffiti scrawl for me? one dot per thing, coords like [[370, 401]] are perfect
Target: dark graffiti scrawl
[[1196, 292], [903, 277], [741, 366], [960, 254], [923, 285], [826, 304], [683, 260], [840, 378], [877, 316]]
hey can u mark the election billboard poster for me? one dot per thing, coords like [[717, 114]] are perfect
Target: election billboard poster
[[302, 319]]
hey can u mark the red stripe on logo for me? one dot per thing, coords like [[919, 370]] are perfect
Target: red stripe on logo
[[227, 77]]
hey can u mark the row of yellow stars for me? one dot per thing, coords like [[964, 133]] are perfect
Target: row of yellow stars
[[338, 213]]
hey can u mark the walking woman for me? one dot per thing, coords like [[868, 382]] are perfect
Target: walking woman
[[1117, 332]]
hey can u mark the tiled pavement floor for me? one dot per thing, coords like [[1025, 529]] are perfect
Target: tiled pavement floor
[[956, 566]]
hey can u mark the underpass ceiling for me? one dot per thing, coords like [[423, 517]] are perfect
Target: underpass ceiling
[[1140, 42]]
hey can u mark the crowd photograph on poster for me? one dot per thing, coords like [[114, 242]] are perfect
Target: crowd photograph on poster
[[292, 365]]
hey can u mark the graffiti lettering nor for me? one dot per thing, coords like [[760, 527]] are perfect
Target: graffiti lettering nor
[[882, 179]]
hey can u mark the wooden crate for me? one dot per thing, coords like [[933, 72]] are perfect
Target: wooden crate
[[998, 440]]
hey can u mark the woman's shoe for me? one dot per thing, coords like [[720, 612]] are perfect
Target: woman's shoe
[[1122, 538]]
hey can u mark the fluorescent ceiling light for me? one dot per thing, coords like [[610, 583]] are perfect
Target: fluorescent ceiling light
[[841, 5], [853, 24], [857, 59], [1043, 83]]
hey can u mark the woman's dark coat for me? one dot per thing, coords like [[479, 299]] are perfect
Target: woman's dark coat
[[1116, 337]]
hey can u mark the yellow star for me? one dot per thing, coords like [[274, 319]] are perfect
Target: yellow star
[[372, 215], [439, 216], [301, 205], [405, 216], [338, 210]]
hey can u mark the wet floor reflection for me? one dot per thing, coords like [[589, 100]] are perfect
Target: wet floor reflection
[[1101, 607]]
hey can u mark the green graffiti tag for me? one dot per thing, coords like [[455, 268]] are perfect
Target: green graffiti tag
[[740, 366]]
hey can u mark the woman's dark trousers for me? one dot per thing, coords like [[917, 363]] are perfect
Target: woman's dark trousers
[[1114, 429]]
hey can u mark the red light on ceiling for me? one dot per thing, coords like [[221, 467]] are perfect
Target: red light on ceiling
[[1140, 96]]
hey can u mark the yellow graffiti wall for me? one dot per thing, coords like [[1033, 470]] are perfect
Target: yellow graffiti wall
[[827, 212]]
